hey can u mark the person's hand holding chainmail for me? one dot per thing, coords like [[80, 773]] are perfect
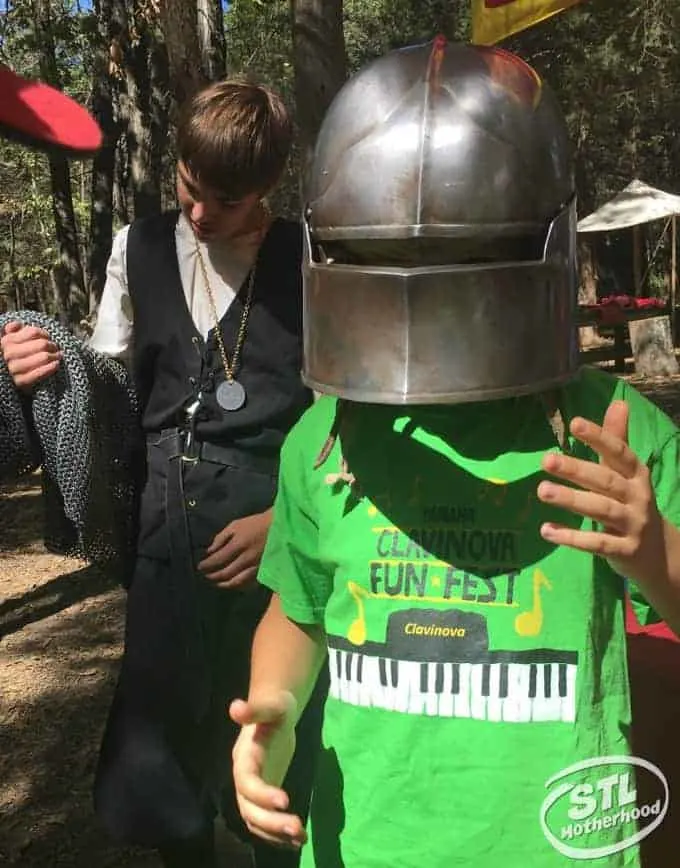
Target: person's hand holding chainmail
[[29, 353]]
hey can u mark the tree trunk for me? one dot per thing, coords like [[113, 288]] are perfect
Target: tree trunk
[[211, 39], [179, 24], [60, 296], [121, 205], [320, 64], [159, 108], [144, 111], [12, 267], [145, 193], [104, 164], [68, 274]]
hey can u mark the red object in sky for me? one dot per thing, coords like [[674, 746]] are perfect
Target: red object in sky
[[40, 116]]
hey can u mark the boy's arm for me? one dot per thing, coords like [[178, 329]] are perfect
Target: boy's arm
[[286, 660], [661, 587], [286, 657]]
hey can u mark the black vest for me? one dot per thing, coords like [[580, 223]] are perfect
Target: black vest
[[172, 363]]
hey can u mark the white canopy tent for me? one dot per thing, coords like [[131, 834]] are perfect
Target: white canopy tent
[[638, 203]]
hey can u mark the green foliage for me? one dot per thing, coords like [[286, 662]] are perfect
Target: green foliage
[[615, 68], [27, 243]]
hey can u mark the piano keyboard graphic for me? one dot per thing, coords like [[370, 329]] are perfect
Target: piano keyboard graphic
[[529, 689]]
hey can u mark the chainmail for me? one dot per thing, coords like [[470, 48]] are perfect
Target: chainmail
[[81, 426]]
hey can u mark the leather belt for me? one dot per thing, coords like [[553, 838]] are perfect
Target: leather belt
[[173, 442]]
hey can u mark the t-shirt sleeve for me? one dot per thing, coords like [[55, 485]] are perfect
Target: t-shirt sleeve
[[292, 565], [664, 467]]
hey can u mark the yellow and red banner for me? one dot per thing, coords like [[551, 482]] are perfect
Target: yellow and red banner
[[493, 20]]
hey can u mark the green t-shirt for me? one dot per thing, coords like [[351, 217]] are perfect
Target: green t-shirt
[[471, 663]]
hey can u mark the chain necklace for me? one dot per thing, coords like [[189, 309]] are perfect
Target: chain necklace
[[230, 394]]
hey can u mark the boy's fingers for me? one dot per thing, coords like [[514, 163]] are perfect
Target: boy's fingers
[[612, 449], [597, 507], [229, 568], [239, 712], [615, 420], [599, 478], [26, 333], [224, 564], [15, 351], [253, 789], [36, 375], [220, 539], [243, 579], [603, 544], [272, 710], [26, 364], [275, 826]]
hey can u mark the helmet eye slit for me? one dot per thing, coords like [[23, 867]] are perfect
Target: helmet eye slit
[[432, 252]]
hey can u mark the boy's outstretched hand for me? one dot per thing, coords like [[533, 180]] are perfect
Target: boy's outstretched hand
[[616, 493], [262, 754]]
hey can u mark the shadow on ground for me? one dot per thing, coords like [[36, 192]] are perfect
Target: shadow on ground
[[62, 669], [60, 641], [52, 597]]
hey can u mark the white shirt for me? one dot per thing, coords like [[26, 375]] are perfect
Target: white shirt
[[226, 264]]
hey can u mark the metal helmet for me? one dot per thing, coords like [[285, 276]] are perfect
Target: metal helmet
[[440, 228]]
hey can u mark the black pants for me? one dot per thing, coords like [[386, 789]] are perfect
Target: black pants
[[163, 775]]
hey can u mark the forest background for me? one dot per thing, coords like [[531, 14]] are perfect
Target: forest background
[[615, 67]]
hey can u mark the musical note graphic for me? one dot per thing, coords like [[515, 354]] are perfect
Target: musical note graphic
[[530, 623], [357, 629]]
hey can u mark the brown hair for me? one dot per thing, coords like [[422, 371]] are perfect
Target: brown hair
[[235, 137]]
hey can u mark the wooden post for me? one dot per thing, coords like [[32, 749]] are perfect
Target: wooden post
[[637, 261]]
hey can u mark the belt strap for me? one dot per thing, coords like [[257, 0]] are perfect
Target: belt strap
[[172, 442], [193, 676]]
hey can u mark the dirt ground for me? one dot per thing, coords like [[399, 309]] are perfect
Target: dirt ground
[[60, 640]]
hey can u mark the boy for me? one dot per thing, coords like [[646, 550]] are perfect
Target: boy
[[204, 306], [469, 608]]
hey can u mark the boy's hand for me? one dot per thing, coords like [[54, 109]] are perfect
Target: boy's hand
[[261, 755], [29, 353], [616, 493], [233, 557]]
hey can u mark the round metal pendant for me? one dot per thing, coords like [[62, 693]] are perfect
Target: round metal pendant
[[230, 395]]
